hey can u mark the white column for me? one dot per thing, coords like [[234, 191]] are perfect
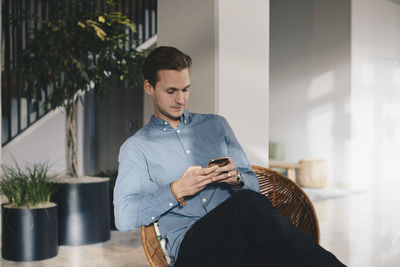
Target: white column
[[229, 44], [243, 73]]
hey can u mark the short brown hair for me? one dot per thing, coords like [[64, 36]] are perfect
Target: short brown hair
[[164, 58]]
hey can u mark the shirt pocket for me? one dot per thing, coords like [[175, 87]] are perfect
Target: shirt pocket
[[165, 170], [211, 148]]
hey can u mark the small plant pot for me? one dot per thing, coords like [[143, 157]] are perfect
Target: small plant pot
[[29, 234], [84, 211]]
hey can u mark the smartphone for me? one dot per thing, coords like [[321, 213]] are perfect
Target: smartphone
[[221, 161]]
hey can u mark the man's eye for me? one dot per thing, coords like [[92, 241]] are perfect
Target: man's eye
[[170, 92]]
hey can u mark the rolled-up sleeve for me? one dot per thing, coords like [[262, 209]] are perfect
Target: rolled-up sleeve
[[138, 200]]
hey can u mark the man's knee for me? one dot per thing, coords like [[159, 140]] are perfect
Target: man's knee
[[250, 198], [252, 206], [248, 193]]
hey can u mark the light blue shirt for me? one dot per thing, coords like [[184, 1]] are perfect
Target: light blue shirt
[[157, 155]]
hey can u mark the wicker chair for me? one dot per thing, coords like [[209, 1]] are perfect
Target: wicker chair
[[285, 195]]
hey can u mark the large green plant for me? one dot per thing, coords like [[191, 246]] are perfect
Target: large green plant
[[78, 50], [26, 187]]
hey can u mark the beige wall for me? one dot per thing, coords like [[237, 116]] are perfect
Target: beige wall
[[189, 25]]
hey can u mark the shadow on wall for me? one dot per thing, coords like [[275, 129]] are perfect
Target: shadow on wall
[[310, 81]]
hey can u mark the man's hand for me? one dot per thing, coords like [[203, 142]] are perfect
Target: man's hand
[[193, 180], [227, 174]]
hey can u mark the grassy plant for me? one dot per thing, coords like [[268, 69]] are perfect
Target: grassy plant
[[26, 187]]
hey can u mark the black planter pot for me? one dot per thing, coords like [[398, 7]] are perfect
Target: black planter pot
[[29, 234], [84, 210]]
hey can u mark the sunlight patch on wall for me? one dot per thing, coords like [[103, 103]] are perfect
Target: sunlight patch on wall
[[375, 144], [319, 127], [362, 142], [389, 146], [396, 77], [367, 74]]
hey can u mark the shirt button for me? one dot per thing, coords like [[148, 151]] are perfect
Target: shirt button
[[178, 131], [165, 129], [188, 151], [152, 218], [171, 204], [165, 122], [204, 200], [184, 121]]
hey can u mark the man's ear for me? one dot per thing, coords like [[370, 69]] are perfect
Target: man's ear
[[148, 88]]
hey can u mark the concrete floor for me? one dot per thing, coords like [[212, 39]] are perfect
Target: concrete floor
[[362, 230], [122, 250]]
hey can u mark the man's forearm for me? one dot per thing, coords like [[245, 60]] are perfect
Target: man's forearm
[[135, 210]]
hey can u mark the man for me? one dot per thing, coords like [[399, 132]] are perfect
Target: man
[[209, 216]]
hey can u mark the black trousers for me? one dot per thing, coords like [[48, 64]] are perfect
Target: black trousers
[[247, 231]]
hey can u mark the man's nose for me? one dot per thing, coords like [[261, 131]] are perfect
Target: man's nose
[[179, 98]]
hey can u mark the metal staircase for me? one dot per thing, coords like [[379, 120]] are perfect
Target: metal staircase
[[20, 110]]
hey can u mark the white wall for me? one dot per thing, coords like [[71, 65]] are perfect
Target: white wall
[[310, 81], [335, 96], [148, 109], [45, 141], [375, 149], [228, 42]]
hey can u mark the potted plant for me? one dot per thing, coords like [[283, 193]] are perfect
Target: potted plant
[[76, 50], [29, 219]]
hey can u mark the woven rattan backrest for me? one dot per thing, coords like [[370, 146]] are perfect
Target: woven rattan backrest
[[289, 199], [286, 196]]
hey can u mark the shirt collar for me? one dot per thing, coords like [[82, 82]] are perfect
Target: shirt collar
[[185, 119]]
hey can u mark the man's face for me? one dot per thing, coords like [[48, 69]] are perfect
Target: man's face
[[170, 93]]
